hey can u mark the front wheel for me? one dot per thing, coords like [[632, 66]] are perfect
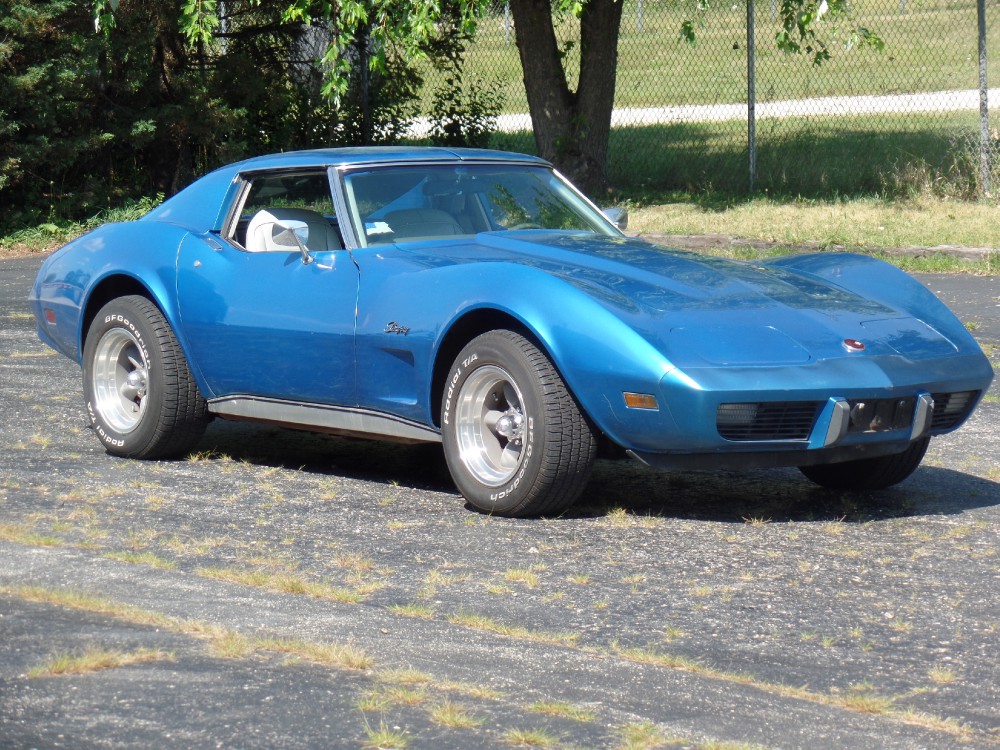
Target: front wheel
[[869, 473], [141, 398], [515, 440]]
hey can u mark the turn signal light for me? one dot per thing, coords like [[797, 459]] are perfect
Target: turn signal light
[[641, 401]]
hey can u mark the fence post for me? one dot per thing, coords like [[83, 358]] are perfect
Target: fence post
[[752, 95], [985, 160]]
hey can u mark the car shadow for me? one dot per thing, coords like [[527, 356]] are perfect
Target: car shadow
[[774, 495], [420, 466]]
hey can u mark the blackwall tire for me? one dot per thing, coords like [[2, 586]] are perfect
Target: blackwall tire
[[869, 473], [140, 396], [516, 442]]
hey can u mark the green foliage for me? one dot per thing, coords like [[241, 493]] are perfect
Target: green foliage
[[464, 115], [461, 114], [802, 22], [199, 21], [392, 27], [160, 93], [377, 107], [50, 118]]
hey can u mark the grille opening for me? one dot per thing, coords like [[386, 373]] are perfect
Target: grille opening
[[951, 408], [881, 414], [781, 420]]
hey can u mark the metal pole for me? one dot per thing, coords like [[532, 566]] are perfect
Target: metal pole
[[506, 24], [751, 96], [985, 160], [639, 18]]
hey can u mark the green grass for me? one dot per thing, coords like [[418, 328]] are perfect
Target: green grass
[[930, 48], [845, 156]]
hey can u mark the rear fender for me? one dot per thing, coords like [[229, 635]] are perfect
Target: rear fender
[[112, 261]]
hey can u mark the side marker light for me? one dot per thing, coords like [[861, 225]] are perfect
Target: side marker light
[[641, 401]]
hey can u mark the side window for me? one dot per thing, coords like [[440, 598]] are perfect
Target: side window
[[274, 202]]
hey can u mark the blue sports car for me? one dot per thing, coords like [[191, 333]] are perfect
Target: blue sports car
[[477, 299]]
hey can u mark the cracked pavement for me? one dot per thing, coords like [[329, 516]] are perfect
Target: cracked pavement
[[686, 608]]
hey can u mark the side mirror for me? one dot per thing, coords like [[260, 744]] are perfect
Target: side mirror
[[289, 233], [617, 216], [292, 233]]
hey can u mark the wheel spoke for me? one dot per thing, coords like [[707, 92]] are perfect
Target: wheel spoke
[[511, 396], [511, 456]]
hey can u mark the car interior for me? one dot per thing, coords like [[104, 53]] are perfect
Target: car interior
[[275, 202]]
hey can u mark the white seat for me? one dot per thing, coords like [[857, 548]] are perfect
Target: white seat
[[267, 224], [422, 222]]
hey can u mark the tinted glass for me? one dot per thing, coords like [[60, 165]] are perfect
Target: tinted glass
[[417, 202]]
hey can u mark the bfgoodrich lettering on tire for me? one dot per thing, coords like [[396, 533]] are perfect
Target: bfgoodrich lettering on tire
[[515, 440], [141, 398]]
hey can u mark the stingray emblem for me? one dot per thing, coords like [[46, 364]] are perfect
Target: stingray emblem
[[395, 327], [853, 345]]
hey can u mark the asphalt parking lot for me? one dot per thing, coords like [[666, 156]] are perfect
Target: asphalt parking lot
[[279, 589]]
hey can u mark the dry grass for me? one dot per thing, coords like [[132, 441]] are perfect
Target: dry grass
[[455, 715], [860, 223], [95, 659], [488, 624], [286, 583], [222, 641]]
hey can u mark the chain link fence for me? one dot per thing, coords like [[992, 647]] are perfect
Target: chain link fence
[[710, 116]]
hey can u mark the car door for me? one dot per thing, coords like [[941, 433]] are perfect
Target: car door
[[272, 321]]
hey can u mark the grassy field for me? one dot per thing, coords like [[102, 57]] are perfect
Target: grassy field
[[820, 157], [931, 47]]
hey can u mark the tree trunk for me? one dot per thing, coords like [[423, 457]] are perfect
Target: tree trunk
[[571, 127]]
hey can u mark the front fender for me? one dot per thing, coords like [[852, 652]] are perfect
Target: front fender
[[598, 355]]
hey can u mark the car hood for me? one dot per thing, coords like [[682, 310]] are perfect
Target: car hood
[[708, 311]]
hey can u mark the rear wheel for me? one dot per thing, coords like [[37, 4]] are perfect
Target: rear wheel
[[515, 440], [141, 398], [869, 473]]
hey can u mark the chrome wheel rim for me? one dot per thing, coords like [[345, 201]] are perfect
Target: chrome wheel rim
[[491, 425], [120, 380]]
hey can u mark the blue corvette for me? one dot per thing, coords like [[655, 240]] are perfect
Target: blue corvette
[[476, 299]]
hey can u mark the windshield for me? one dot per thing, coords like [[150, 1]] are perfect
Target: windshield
[[420, 202]]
